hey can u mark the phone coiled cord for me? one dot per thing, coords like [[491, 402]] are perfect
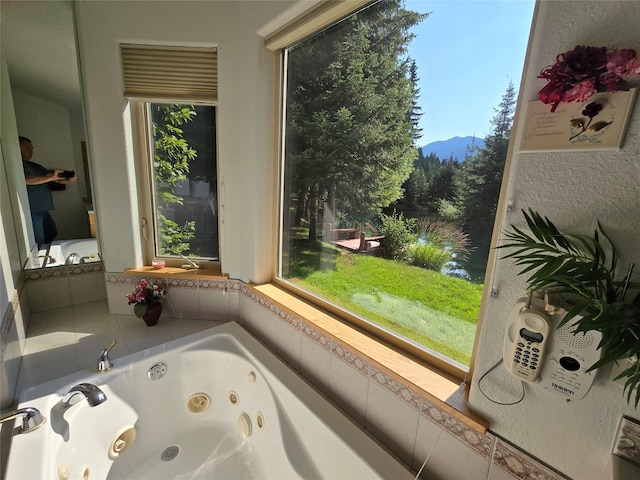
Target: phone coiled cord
[[491, 399]]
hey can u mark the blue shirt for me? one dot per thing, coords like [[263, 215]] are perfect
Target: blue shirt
[[40, 198]]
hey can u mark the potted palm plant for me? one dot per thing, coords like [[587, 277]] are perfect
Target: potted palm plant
[[582, 270]]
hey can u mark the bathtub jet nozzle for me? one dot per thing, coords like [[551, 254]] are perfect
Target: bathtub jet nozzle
[[93, 394]]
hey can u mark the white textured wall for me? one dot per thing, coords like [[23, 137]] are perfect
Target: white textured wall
[[245, 119], [573, 189]]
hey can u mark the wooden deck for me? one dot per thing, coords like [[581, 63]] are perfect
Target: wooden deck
[[354, 239], [353, 245]]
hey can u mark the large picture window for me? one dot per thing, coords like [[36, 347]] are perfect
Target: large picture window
[[392, 240]]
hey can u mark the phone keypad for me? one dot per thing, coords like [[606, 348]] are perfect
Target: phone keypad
[[527, 355]]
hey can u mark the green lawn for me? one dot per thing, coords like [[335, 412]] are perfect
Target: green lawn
[[432, 309]]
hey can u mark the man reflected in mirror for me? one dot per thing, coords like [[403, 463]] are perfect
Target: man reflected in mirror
[[38, 179]]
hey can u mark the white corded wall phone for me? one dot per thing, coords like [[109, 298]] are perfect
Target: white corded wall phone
[[536, 351], [525, 342]]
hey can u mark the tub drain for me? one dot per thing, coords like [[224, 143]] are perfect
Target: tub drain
[[169, 453]]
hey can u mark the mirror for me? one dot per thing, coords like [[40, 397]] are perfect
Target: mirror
[[39, 44]]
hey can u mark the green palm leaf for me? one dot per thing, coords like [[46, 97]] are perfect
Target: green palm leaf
[[581, 269]]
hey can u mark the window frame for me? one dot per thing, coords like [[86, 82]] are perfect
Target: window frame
[[305, 26], [140, 110]]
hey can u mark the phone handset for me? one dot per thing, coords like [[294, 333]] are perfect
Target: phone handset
[[525, 341]]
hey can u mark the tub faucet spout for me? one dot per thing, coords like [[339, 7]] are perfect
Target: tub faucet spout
[[31, 419], [93, 394], [71, 258]]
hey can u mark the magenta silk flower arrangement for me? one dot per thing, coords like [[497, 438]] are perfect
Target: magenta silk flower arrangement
[[583, 71], [144, 295]]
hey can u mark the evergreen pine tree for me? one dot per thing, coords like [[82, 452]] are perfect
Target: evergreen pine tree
[[416, 111], [351, 115], [481, 178]]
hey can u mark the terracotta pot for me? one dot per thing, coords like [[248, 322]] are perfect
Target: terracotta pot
[[153, 314]]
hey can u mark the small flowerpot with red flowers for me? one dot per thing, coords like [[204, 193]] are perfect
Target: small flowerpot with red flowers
[[146, 300]]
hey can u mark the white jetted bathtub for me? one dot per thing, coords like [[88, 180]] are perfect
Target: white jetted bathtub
[[67, 252], [214, 405], [84, 250]]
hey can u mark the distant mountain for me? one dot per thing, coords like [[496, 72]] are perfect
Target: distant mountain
[[455, 147]]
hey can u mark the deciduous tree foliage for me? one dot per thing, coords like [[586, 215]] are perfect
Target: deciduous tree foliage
[[172, 155], [351, 116]]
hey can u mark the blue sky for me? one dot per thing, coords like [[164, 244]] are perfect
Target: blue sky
[[466, 52]]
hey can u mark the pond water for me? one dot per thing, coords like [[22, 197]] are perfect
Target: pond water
[[455, 269]]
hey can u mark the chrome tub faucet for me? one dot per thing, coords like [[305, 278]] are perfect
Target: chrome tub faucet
[[93, 394], [31, 419], [71, 259]]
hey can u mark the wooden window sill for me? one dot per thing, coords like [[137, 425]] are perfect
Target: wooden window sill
[[214, 273], [432, 384]]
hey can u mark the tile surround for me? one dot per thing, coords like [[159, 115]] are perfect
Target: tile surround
[[349, 383], [520, 465], [360, 388], [315, 363], [468, 464], [490, 457], [64, 286], [202, 298], [393, 422], [9, 356], [15, 320]]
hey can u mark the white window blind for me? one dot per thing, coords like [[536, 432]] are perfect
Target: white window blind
[[177, 74]]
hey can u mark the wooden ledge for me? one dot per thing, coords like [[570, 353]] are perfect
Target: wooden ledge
[[435, 386], [176, 272]]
